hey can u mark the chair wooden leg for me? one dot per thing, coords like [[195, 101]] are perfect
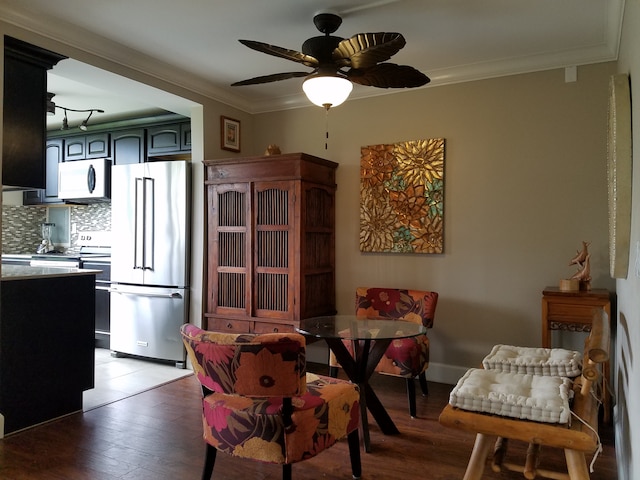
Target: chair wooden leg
[[286, 471], [411, 396], [423, 383], [333, 372], [478, 459], [209, 462], [576, 465], [354, 454]]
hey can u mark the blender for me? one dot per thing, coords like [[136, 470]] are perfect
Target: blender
[[46, 246]]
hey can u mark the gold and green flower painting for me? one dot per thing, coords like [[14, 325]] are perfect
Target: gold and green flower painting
[[402, 197]]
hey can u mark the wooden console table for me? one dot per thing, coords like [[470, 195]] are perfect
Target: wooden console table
[[573, 312]]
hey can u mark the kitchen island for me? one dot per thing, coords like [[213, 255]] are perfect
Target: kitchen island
[[47, 318]]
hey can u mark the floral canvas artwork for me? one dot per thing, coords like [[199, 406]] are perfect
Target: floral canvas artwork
[[402, 197]]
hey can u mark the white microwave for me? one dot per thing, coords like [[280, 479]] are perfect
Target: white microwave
[[85, 180]]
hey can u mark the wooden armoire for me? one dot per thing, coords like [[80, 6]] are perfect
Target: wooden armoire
[[270, 245]]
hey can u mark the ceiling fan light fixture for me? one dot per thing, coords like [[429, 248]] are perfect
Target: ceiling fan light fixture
[[327, 90]]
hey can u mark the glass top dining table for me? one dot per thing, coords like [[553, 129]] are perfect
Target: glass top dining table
[[369, 339], [352, 327]]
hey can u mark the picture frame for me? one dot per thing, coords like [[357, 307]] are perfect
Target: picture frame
[[229, 134]]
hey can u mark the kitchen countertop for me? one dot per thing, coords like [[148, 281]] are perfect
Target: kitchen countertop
[[23, 272]]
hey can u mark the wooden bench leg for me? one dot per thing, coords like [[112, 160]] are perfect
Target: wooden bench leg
[[479, 455], [576, 465]]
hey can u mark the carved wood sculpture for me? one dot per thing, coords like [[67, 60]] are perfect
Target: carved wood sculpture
[[583, 275]]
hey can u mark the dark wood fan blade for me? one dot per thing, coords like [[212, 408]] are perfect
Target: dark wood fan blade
[[388, 75], [365, 50], [285, 53], [271, 78]]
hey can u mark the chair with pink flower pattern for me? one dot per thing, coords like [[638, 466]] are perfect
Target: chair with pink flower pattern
[[260, 403], [406, 357]]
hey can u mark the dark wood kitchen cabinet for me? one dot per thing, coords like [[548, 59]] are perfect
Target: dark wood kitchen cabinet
[[47, 354], [24, 112], [271, 242], [129, 146], [169, 139], [54, 154], [84, 147]]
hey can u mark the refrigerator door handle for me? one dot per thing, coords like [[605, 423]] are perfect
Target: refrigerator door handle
[[138, 224], [155, 295], [148, 221], [144, 224]]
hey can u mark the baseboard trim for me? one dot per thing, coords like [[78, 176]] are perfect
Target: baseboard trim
[[437, 372]]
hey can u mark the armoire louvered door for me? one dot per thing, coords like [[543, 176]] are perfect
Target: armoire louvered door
[[270, 242], [230, 249], [273, 255]]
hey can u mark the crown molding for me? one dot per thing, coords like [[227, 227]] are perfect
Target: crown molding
[[120, 55]]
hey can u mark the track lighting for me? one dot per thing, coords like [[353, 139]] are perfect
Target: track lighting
[[51, 110], [65, 122], [83, 125], [51, 107]]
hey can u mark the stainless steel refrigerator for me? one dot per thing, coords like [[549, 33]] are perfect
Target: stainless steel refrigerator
[[150, 258]]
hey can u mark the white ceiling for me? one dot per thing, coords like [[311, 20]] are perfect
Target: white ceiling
[[193, 43]]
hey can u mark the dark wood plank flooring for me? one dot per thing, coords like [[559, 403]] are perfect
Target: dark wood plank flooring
[[157, 435]]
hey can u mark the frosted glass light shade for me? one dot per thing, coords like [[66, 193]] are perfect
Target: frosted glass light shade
[[327, 91]]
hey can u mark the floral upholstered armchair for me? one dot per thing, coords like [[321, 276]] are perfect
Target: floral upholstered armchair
[[260, 403], [406, 357]]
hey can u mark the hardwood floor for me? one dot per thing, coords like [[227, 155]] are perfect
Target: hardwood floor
[[157, 435]]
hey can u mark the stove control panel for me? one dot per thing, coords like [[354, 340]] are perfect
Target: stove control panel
[[94, 238]]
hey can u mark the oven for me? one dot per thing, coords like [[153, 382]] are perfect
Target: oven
[[103, 299]]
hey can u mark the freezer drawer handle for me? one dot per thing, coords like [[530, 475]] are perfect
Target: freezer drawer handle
[[157, 295]]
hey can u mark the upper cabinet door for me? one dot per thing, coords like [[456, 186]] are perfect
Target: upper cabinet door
[[97, 145], [128, 146], [86, 147], [74, 148], [163, 139], [169, 139]]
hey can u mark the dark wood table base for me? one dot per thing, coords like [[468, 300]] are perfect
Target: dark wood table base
[[359, 368]]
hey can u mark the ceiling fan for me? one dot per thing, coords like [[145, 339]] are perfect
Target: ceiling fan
[[338, 63]]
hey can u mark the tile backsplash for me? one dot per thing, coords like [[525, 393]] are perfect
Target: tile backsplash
[[21, 225]]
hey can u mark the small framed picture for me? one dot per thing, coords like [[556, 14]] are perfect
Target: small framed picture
[[229, 134]]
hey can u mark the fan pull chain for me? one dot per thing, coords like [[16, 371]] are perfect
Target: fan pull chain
[[326, 126]]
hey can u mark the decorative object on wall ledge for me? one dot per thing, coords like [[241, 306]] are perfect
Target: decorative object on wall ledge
[[619, 174], [272, 149], [229, 134], [402, 197], [581, 280]]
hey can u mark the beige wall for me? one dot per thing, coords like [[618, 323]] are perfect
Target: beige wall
[[627, 378], [525, 183]]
